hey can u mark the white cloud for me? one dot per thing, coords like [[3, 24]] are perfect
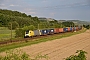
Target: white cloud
[[30, 13], [13, 5]]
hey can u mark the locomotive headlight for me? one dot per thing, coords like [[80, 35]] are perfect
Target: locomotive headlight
[[26, 34]]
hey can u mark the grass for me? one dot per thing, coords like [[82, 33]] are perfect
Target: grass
[[3, 28], [35, 41], [5, 33]]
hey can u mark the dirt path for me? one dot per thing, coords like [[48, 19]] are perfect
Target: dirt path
[[61, 48]]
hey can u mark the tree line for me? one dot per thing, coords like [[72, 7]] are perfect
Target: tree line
[[17, 19]]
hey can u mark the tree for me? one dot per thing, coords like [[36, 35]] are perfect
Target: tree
[[31, 27], [19, 32], [29, 16], [14, 25], [86, 26], [68, 24]]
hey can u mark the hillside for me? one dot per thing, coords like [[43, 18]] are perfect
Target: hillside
[[79, 22], [21, 19], [12, 13], [76, 22]]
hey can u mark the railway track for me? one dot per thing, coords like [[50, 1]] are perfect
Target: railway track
[[27, 39]]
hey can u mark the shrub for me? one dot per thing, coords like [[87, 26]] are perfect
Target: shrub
[[80, 56], [20, 32], [14, 25], [20, 55], [15, 55]]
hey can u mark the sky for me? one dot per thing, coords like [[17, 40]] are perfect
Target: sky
[[56, 9]]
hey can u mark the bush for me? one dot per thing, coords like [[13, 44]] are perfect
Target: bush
[[20, 32], [15, 55], [80, 56], [20, 55], [86, 26], [14, 25]]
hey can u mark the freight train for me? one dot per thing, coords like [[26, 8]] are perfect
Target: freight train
[[42, 32]]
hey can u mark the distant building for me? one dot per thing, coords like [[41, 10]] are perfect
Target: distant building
[[60, 21], [50, 19], [42, 18], [46, 19]]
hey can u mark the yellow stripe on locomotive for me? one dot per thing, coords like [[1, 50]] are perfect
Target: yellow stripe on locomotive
[[29, 33]]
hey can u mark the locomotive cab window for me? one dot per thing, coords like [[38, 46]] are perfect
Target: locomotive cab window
[[27, 31]]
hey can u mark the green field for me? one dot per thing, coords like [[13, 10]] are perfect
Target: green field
[[5, 33]]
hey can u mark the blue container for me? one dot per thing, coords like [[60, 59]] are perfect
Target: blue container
[[65, 29], [71, 28], [50, 31], [44, 32], [47, 31]]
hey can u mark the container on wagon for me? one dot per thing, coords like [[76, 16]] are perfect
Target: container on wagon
[[56, 30], [61, 30], [77, 28], [74, 28], [37, 32], [71, 29], [47, 31], [29, 33], [51, 31], [65, 29], [68, 29], [44, 32]]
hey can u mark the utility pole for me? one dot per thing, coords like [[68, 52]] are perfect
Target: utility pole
[[38, 26], [61, 25], [11, 32], [82, 26], [72, 28]]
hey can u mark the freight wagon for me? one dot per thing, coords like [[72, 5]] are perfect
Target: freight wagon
[[56, 30], [61, 30]]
